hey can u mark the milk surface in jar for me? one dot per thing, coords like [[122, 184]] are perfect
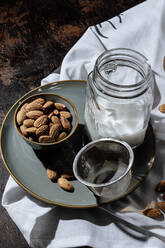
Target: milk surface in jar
[[119, 97]]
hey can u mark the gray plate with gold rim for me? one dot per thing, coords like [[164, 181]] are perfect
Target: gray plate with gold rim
[[28, 167]]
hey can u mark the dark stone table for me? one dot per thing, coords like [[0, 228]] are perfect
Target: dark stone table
[[35, 35]]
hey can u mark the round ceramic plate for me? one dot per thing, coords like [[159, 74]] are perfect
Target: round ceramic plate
[[28, 167]]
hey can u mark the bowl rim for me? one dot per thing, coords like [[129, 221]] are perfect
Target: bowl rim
[[90, 145], [52, 143]]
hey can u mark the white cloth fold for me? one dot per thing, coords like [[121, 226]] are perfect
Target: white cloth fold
[[140, 28]]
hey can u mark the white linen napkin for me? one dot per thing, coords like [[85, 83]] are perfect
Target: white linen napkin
[[43, 225]]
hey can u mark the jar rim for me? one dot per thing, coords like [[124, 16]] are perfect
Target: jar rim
[[141, 82]]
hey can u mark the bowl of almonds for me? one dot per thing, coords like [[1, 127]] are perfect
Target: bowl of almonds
[[45, 120]]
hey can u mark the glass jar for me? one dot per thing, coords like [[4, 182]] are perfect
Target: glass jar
[[119, 96]]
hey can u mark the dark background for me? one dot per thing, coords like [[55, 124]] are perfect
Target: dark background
[[35, 35]]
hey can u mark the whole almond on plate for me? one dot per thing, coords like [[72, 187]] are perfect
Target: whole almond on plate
[[152, 212], [33, 106], [160, 187], [52, 174], [42, 130], [54, 131], [46, 139], [42, 120], [31, 130], [65, 114], [28, 122], [60, 106], [162, 108], [67, 176], [21, 116], [23, 130], [65, 123], [48, 105], [61, 136], [35, 114], [65, 184]]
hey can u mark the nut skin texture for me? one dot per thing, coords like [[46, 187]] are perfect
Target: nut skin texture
[[28, 122], [65, 184], [31, 130], [56, 120], [65, 114], [152, 212], [65, 123], [160, 187], [42, 130], [35, 114], [21, 116], [42, 120], [52, 174], [46, 139], [162, 108], [54, 131]]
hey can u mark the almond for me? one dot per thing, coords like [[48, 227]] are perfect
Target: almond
[[52, 174], [48, 105], [152, 212], [23, 130], [61, 136], [162, 108], [21, 116], [33, 106], [161, 205], [39, 100], [60, 106], [65, 123], [42, 120], [28, 122], [42, 130], [65, 114], [50, 115], [56, 120], [160, 187], [31, 130], [46, 139], [54, 131], [65, 184], [67, 176], [35, 114], [24, 106]]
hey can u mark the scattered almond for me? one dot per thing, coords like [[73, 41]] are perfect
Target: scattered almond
[[162, 108], [52, 174], [65, 184], [160, 187], [67, 176], [152, 212]]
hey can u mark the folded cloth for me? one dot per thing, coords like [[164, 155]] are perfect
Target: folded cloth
[[43, 225]]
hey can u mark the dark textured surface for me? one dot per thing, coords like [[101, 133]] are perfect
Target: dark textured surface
[[34, 37]]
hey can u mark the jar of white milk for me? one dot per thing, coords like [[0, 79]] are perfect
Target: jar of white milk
[[119, 96]]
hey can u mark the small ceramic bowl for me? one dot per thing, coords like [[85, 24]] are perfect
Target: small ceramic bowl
[[104, 166], [35, 144]]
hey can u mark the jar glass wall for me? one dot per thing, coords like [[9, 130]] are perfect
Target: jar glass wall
[[119, 96]]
